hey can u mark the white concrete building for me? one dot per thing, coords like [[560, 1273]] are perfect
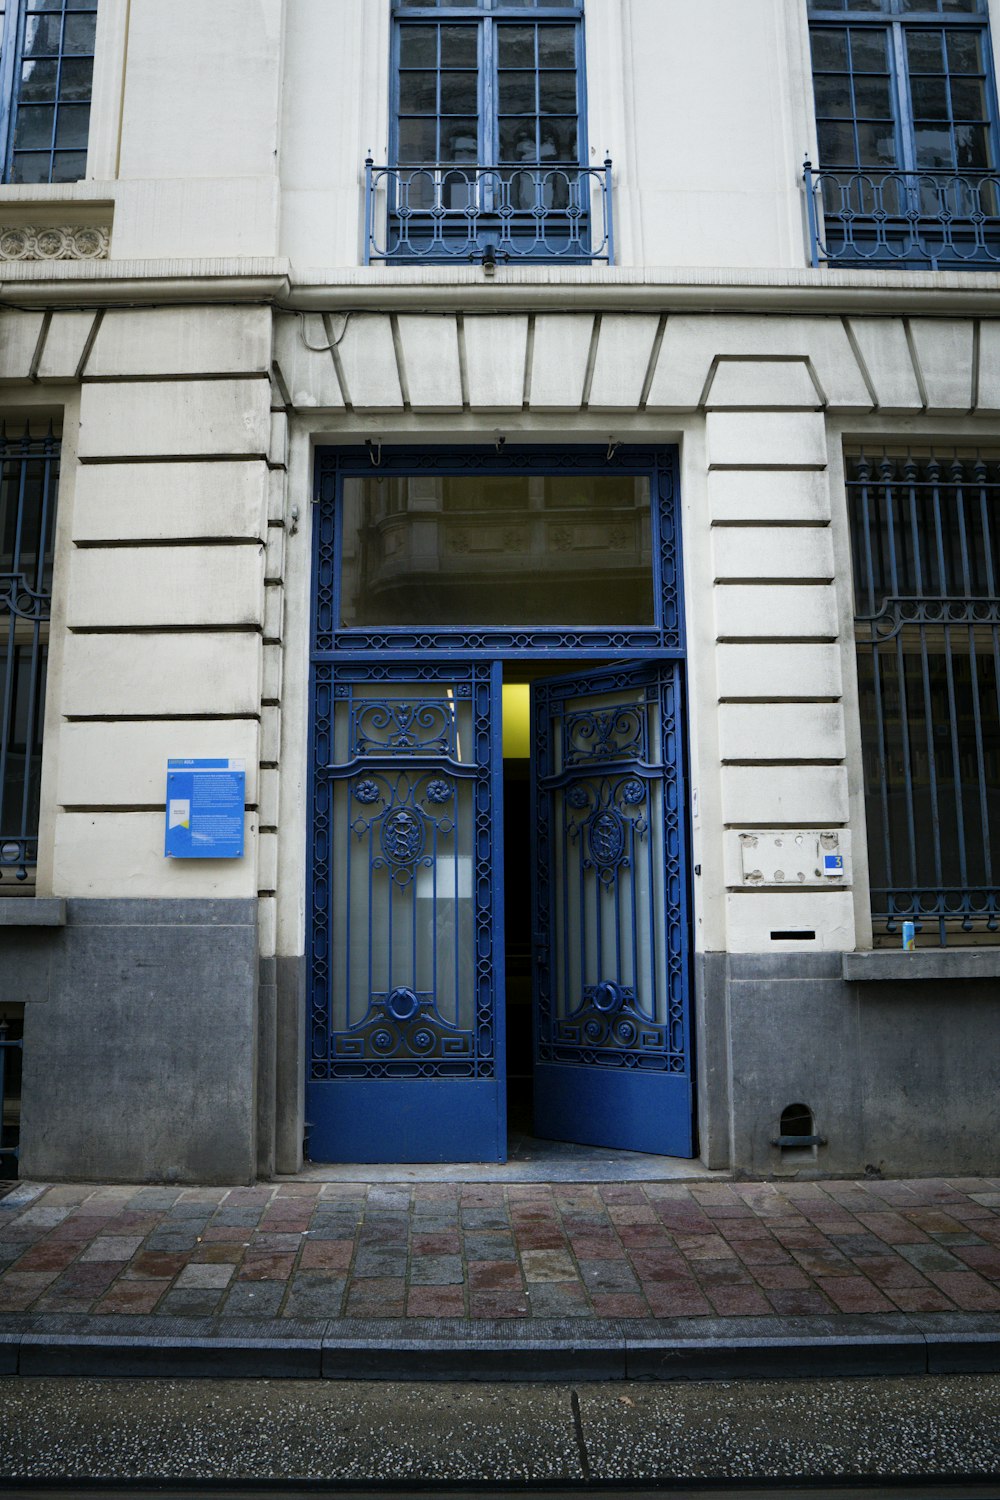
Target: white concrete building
[[391, 388]]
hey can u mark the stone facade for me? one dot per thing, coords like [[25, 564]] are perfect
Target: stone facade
[[206, 324]]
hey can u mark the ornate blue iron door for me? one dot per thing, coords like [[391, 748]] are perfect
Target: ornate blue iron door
[[407, 914], [612, 1056]]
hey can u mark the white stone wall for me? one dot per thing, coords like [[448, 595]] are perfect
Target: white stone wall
[[167, 617], [183, 581], [240, 128], [225, 152], [761, 407], [675, 96]]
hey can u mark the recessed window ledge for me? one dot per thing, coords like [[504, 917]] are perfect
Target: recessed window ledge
[[32, 911], [46, 193], [899, 966]]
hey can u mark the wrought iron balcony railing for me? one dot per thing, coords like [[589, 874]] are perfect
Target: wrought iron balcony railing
[[938, 221], [443, 213]]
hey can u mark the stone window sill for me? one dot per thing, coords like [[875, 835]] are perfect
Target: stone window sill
[[922, 963], [32, 911]]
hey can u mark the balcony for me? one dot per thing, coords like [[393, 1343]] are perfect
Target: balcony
[[930, 221], [444, 214]]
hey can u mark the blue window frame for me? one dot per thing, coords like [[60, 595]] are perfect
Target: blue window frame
[[906, 123], [487, 136], [46, 77]]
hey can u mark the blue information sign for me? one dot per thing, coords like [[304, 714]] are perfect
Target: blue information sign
[[205, 801]]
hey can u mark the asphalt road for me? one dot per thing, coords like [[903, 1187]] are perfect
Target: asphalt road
[[910, 1492], [382, 1437]]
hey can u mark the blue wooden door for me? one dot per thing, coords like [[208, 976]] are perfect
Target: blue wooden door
[[612, 1053], [405, 1027]]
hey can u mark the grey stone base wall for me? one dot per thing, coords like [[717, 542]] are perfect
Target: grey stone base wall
[[281, 1065], [900, 1073], [158, 1047], [290, 1062], [141, 1041]]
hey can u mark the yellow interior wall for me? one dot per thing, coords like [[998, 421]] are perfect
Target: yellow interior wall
[[516, 721]]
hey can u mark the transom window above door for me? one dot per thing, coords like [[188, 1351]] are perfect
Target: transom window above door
[[487, 149], [498, 549], [529, 549]]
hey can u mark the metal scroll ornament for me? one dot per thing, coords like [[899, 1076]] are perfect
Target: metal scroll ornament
[[404, 1025], [610, 815], [404, 813]]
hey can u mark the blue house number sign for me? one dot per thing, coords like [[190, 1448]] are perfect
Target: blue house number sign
[[205, 801]]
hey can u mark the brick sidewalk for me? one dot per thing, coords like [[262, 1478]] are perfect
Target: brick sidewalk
[[312, 1250]]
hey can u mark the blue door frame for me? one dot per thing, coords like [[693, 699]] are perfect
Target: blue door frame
[[395, 1071]]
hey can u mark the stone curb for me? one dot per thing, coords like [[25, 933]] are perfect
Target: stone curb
[[514, 1349]]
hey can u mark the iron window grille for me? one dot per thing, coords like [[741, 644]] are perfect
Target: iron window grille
[[906, 123], [29, 472], [925, 530], [46, 80], [487, 146]]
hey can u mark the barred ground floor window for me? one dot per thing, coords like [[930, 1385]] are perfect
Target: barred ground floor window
[[925, 532], [29, 471]]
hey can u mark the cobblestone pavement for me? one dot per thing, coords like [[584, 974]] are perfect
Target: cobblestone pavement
[[327, 1250]]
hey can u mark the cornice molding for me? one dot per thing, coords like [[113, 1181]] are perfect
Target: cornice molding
[[96, 282]]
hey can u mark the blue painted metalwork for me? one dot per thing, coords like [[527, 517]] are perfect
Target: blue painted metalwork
[[9, 1146], [926, 541], [665, 636], [448, 213], [610, 902], [46, 77], [943, 221], [397, 1070], [906, 123], [407, 975], [29, 468]]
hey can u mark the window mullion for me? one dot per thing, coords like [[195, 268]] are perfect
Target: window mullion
[[56, 106], [904, 104], [489, 128]]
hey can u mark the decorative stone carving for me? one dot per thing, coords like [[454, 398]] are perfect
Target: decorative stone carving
[[55, 242]]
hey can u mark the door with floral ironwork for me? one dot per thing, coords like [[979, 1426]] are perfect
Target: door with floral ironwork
[[612, 1053], [405, 1034]]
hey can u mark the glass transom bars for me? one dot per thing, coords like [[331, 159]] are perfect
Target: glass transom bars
[[925, 531], [29, 469], [46, 76], [487, 152], [906, 124]]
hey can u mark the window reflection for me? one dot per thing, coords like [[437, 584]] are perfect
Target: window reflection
[[518, 550]]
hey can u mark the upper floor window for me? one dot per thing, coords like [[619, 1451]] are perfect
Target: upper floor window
[[487, 150], [490, 85], [906, 124], [46, 73]]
